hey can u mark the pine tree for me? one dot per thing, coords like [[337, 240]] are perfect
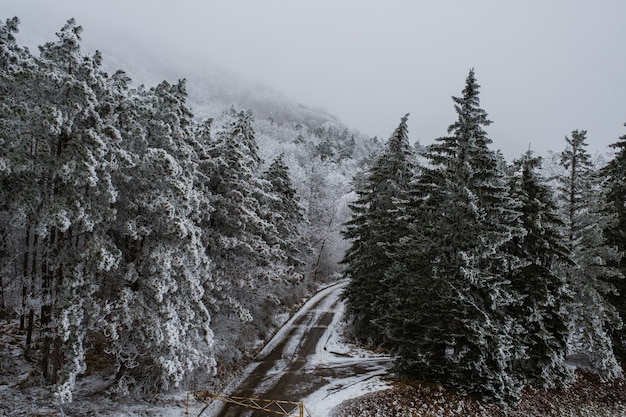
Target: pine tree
[[17, 72], [159, 326], [70, 200], [374, 226], [241, 236], [285, 212], [541, 314], [462, 217], [593, 316], [614, 185]]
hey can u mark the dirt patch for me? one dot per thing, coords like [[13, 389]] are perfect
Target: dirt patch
[[588, 396]]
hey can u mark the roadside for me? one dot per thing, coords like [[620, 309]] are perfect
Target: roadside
[[307, 360], [589, 396], [310, 349]]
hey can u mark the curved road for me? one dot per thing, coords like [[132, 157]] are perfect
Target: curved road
[[302, 363]]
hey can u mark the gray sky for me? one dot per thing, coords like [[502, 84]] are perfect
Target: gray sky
[[546, 67]]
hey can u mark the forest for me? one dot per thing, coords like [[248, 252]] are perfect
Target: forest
[[487, 276], [139, 239], [161, 247]]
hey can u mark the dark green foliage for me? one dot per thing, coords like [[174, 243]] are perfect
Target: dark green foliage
[[592, 317], [375, 226], [445, 314], [614, 183], [285, 212], [463, 200], [541, 331]]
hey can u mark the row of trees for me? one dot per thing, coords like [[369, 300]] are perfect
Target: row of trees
[[485, 276], [128, 228]]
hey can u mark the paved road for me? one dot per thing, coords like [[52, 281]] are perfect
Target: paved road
[[300, 362]]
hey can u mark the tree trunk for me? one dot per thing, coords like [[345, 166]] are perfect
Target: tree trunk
[[3, 309], [25, 275], [29, 331], [50, 359]]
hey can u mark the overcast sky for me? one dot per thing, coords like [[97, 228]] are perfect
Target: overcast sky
[[546, 67]]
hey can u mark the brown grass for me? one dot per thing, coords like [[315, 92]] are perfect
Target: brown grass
[[588, 396]]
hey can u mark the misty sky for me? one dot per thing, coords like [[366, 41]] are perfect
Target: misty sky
[[546, 67]]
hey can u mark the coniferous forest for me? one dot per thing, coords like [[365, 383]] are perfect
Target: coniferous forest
[[162, 246], [140, 239], [483, 275]]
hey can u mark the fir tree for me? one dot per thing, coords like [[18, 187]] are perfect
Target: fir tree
[[593, 317], [541, 314], [462, 217], [285, 212], [376, 224], [614, 184]]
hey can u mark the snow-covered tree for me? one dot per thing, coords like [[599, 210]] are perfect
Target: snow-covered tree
[[593, 316], [158, 323], [326, 191], [375, 225], [462, 217], [541, 315], [238, 249], [17, 74], [285, 211], [124, 223], [58, 146], [613, 177]]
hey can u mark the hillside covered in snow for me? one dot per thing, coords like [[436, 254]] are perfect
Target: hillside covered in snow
[[158, 228]]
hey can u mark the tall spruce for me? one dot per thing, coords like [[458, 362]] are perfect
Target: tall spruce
[[593, 317], [242, 237], [373, 229], [541, 314], [614, 183], [284, 210], [462, 218]]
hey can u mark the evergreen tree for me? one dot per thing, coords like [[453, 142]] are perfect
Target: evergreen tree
[[285, 212], [241, 237], [69, 206], [462, 217], [593, 316], [18, 71], [614, 185], [374, 227], [542, 312], [159, 325]]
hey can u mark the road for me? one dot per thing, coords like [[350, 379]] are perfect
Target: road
[[304, 362]]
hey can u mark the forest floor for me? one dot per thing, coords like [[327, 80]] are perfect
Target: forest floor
[[588, 396]]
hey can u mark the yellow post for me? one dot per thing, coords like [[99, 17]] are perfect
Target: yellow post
[[301, 405]]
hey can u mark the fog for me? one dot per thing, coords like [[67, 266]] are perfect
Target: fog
[[545, 67]]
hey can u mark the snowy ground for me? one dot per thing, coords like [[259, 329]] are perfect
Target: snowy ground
[[308, 360], [334, 350], [330, 355], [363, 393]]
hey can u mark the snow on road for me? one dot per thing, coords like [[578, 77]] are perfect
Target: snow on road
[[333, 351], [308, 360]]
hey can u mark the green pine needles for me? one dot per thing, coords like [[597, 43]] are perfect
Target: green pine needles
[[462, 267]]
